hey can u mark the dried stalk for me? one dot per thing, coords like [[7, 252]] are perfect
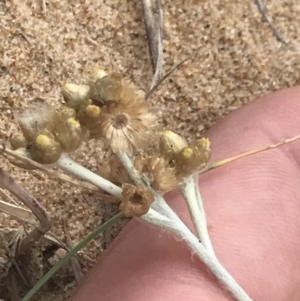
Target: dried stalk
[[16, 211], [154, 31], [8, 183]]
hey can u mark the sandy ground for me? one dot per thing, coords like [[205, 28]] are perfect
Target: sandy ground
[[240, 59]]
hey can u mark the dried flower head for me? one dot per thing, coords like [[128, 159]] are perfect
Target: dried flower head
[[74, 95], [66, 112], [193, 158], [114, 171], [45, 149], [89, 115], [97, 73], [170, 145], [36, 118], [162, 177], [69, 134], [127, 126], [17, 140], [61, 126], [107, 89], [136, 200]]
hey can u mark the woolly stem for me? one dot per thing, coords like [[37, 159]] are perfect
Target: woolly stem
[[69, 165], [176, 226], [125, 160], [191, 194]]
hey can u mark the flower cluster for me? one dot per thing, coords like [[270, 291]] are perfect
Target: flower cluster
[[107, 108], [185, 158], [47, 133], [115, 111], [164, 171]]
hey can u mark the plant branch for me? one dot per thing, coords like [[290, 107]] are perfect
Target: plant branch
[[59, 175], [191, 194], [177, 227], [69, 165], [126, 162]]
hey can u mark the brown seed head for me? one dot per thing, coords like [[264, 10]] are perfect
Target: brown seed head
[[136, 200], [161, 176], [127, 126]]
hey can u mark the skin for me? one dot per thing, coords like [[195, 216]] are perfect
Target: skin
[[253, 214]]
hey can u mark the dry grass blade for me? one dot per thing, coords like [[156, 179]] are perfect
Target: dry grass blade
[[8, 183], [245, 154], [44, 7], [154, 88], [154, 31], [74, 261], [16, 211], [262, 10]]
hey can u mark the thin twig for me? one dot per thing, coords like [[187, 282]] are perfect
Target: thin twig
[[245, 154], [262, 9], [154, 88], [74, 261]]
